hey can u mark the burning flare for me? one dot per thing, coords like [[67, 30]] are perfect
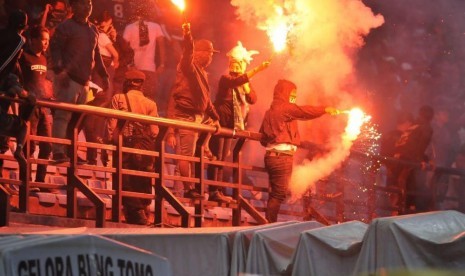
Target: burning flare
[[306, 175], [278, 36], [180, 4], [356, 119], [277, 30]]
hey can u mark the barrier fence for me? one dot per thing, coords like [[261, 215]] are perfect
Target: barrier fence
[[75, 183]]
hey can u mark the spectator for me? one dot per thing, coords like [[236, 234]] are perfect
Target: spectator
[[54, 13], [139, 136], [94, 126], [388, 148], [190, 101], [411, 146], [232, 103], [34, 68], [108, 52], [74, 53], [281, 138], [145, 38], [10, 50], [388, 144], [11, 125]]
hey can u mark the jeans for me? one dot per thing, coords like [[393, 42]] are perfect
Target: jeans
[[186, 144], [279, 170], [74, 93]]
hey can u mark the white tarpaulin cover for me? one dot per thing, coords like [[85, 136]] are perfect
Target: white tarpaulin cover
[[329, 250], [76, 255], [195, 251], [241, 245], [414, 242], [271, 250]]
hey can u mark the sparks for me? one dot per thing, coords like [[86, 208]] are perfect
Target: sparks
[[356, 119], [278, 36], [277, 28]]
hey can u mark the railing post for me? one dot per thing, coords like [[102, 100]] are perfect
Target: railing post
[[117, 180], [4, 207], [218, 170], [199, 173], [159, 166], [237, 178], [24, 173], [117, 177], [72, 133]]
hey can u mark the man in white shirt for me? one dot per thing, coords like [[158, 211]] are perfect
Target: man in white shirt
[[144, 38]]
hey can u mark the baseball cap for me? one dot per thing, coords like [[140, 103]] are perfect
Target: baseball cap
[[204, 45], [134, 75]]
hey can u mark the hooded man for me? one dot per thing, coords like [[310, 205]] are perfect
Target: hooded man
[[281, 138]]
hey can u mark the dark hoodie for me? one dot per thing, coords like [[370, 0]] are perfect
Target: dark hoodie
[[279, 123]]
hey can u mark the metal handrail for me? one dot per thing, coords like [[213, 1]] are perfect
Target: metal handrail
[[75, 183], [162, 193]]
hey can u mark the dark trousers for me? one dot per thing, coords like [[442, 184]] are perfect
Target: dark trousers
[[279, 170], [139, 162], [221, 148], [94, 127], [41, 125], [415, 192]]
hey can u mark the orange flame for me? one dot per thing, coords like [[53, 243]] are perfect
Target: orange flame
[[356, 119], [180, 4]]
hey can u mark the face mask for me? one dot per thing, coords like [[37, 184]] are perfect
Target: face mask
[[293, 96]]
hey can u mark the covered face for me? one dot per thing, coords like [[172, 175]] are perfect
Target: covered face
[[203, 52], [239, 57], [236, 66], [285, 91]]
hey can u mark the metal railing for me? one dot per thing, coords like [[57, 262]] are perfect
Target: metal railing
[[76, 184]]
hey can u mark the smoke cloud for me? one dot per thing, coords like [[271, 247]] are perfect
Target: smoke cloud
[[323, 40]]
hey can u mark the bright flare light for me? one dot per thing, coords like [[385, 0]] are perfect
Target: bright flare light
[[278, 36], [356, 119], [278, 29], [180, 4]]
